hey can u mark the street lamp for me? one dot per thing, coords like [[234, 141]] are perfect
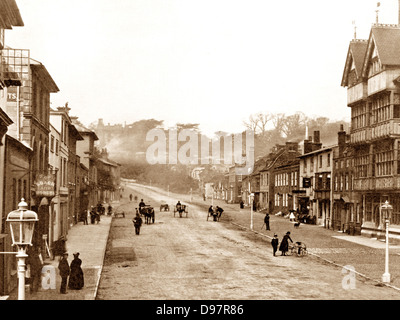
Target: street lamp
[[386, 209], [22, 223], [251, 210]]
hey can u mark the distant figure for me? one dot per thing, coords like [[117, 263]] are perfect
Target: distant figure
[[241, 204], [204, 197], [137, 222], [63, 266], [274, 243], [266, 220], [76, 280], [83, 217], [141, 205], [130, 197], [109, 212], [292, 217], [178, 206], [93, 215], [219, 211]]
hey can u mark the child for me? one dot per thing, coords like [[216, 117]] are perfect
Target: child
[[274, 243]]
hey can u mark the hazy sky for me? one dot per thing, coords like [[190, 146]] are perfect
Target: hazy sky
[[213, 62]]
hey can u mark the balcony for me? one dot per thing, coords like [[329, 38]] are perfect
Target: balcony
[[385, 129], [382, 81], [356, 93], [377, 184], [360, 135]]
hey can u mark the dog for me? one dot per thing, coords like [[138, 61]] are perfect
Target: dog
[[297, 224]]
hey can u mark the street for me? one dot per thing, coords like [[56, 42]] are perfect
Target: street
[[195, 259]]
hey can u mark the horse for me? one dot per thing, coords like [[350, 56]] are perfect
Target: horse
[[180, 208], [148, 213]]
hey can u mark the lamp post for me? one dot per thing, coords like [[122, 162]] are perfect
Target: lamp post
[[251, 210], [22, 223], [386, 208]]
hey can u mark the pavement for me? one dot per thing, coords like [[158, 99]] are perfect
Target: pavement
[[90, 241], [363, 254]]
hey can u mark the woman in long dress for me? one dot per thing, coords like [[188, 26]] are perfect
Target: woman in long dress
[[284, 247], [76, 279]]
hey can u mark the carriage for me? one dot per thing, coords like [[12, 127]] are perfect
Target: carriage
[[215, 213], [180, 209], [298, 249], [164, 207], [148, 212]]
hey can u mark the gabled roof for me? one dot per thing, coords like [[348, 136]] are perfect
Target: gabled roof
[[10, 15], [386, 40], [355, 54]]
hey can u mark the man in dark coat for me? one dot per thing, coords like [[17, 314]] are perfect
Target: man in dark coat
[[284, 247], [63, 266], [266, 220], [274, 243], [76, 280], [137, 222]]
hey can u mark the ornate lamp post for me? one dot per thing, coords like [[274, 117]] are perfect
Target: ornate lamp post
[[251, 210], [22, 223], [386, 209]]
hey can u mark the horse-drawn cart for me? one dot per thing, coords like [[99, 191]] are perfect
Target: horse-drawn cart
[[180, 209], [148, 213], [215, 213]]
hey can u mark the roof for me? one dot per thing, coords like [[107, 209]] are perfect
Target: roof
[[318, 151], [10, 15], [42, 71], [82, 129], [386, 39], [355, 54]]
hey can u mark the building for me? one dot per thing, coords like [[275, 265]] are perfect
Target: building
[[10, 149], [85, 149], [372, 78], [345, 213]]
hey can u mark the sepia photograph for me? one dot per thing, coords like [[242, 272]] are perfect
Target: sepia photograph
[[200, 158]]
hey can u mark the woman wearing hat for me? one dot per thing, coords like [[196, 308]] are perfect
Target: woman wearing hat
[[63, 266], [76, 280], [284, 247]]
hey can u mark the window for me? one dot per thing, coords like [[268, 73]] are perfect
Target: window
[[328, 160], [320, 161], [52, 143], [384, 163], [57, 146]]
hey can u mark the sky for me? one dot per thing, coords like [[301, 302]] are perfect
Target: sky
[[212, 62]]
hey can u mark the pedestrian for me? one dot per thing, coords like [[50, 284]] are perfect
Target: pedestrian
[[93, 214], [137, 222], [241, 204], [292, 217], [83, 217], [76, 279], [274, 243], [63, 266], [266, 221], [130, 197], [284, 247], [35, 264]]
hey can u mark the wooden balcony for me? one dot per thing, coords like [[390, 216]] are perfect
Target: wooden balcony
[[360, 135], [377, 183], [382, 81], [356, 93], [390, 128]]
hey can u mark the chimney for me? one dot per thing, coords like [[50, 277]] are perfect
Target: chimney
[[316, 137], [341, 140]]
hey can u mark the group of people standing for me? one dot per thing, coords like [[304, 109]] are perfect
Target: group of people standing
[[73, 271], [284, 245]]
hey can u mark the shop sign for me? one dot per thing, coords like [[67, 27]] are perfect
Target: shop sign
[[45, 185]]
